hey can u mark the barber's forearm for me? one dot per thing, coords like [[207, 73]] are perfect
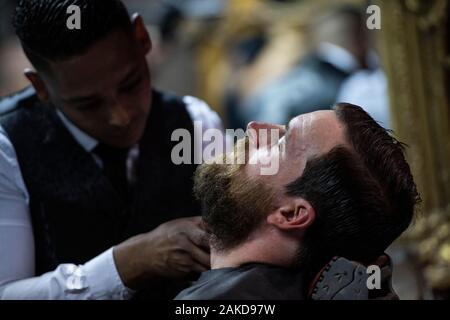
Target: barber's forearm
[[97, 279], [130, 267]]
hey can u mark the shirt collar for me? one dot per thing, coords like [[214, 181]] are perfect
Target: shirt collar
[[86, 141]]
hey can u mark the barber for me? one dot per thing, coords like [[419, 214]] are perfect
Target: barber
[[91, 204]]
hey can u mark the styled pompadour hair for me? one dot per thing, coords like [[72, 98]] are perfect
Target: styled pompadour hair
[[41, 26]]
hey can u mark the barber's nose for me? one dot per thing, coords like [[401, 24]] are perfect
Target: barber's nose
[[254, 132], [120, 116]]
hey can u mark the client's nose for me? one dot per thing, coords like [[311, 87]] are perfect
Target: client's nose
[[262, 130]]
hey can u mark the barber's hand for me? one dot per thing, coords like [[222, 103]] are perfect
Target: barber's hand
[[173, 250]]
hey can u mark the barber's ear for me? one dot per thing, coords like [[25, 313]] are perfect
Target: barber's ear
[[141, 33], [298, 214], [38, 85]]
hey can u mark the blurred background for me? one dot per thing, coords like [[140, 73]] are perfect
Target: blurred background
[[270, 60]]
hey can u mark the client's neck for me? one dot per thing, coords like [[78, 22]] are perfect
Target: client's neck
[[238, 256], [256, 250]]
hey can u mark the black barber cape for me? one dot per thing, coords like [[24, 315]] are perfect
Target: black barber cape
[[248, 282]]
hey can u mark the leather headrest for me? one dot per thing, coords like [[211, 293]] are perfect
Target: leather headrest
[[342, 279]]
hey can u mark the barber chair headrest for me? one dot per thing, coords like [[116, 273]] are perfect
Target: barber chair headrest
[[342, 279]]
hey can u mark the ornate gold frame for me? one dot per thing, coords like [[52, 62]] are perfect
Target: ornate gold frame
[[414, 47]]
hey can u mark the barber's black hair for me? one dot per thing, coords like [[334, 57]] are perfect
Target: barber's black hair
[[41, 26]]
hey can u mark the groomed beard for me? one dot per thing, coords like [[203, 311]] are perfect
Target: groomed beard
[[233, 204]]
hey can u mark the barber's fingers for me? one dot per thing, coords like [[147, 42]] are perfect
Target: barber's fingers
[[382, 261], [187, 265], [199, 237], [199, 255], [197, 267], [198, 221]]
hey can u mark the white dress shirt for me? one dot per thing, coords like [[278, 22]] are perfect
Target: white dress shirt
[[369, 90], [337, 56], [277, 101], [96, 279]]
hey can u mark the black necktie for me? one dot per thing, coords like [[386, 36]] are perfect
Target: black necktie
[[114, 167]]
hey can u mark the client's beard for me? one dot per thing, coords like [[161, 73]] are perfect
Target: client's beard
[[233, 204]]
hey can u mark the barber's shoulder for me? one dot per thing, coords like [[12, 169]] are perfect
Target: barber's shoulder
[[10, 174], [9, 166], [9, 117], [8, 159], [199, 110], [13, 101]]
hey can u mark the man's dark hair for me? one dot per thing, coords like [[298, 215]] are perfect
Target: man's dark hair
[[364, 194], [41, 26]]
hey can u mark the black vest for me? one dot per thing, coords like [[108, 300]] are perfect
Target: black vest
[[76, 213]]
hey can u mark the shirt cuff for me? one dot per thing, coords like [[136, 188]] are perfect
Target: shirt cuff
[[103, 278]]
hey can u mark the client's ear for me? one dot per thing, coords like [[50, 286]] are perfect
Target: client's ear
[[297, 214]]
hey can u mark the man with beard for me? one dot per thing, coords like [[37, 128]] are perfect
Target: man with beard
[[344, 189]]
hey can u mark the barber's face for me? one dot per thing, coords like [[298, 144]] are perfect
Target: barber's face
[[106, 92], [306, 136]]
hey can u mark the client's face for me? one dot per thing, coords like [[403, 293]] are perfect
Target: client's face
[[305, 137], [236, 197]]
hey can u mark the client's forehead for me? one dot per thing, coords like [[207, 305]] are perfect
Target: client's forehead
[[321, 130]]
